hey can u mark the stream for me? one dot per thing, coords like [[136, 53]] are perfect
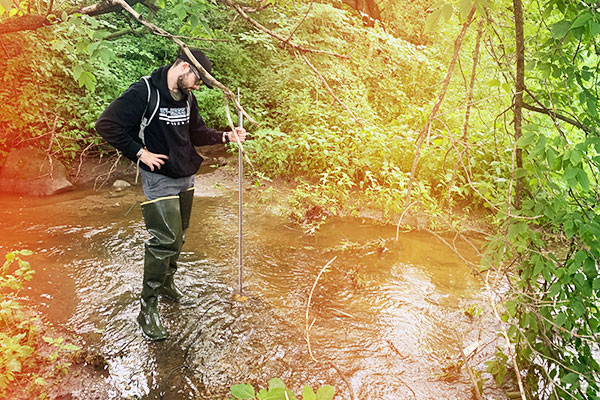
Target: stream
[[389, 315]]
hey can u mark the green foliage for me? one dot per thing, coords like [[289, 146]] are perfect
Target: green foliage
[[553, 313], [473, 311], [498, 367], [552, 240], [19, 332], [278, 391], [45, 82], [21, 362]]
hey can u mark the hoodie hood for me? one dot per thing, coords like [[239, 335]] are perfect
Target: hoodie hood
[[159, 80]]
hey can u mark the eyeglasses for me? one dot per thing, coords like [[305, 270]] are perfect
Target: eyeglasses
[[197, 74]]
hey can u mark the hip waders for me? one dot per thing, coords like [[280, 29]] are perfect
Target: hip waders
[[166, 219]]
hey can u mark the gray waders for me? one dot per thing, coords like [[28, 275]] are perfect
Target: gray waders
[[167, 219]]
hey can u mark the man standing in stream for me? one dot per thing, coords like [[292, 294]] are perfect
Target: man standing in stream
[[155, 123]]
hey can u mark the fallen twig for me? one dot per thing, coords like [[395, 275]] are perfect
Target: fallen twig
[[307, 326], [108, 174], [332, 365], [471, 374], [401, 217]]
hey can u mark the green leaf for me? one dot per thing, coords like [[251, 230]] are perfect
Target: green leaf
[[92, 47], [464, 8], [592, 108], [277, 393], [526, 139], [521, 172], [86, 78], [180, 11], [550, 156], [71, 347], [325, 392], [582, 19], [595, 29], [194, 21], [48, 340], [560, 319], [13, 365], [575, 156], [500, 375], [437, 5], [308, 393], [58, 45], [242, 391], [570, 378], [275, 383], [106, 55], [39, 381], [560, 29], [77, 71], [511, 307], [578, 307], [440, 15], [570, 173], [583, 180]]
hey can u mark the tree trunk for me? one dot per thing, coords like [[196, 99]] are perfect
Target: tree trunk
[[368, 8], [519, 89]]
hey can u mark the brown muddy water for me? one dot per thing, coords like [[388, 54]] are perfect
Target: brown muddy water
[[389, 315]]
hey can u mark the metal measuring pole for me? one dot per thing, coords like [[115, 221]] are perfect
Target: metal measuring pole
[[241, 195]]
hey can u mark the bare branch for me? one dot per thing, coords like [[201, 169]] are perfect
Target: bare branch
[[23, 23], [329, 89], [293, 45], [553, 114], [465, 150], [509, 347], [436, 107], [105, 6], [301, 22]]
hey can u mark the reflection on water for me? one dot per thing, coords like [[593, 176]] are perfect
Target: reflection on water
[[386, 313]]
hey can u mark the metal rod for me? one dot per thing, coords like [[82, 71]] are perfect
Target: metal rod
[[241, 194]]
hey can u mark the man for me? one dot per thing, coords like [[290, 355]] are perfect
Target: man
[[164, 151]]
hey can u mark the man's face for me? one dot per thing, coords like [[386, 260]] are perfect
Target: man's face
[[189, 81]]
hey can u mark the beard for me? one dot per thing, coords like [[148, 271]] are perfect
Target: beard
[[182, 87]]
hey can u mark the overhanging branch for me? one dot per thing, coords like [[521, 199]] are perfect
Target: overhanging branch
[[31, 22], [23, 23], [269, 32], [161, 32], [555, 115]]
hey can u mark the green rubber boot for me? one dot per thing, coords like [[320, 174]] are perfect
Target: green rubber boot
[[169, 289], [163, 221]]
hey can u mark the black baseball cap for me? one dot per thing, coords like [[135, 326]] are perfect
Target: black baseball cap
[[203, 60]]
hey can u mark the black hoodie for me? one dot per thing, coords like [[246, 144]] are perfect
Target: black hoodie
[[174, 130]]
